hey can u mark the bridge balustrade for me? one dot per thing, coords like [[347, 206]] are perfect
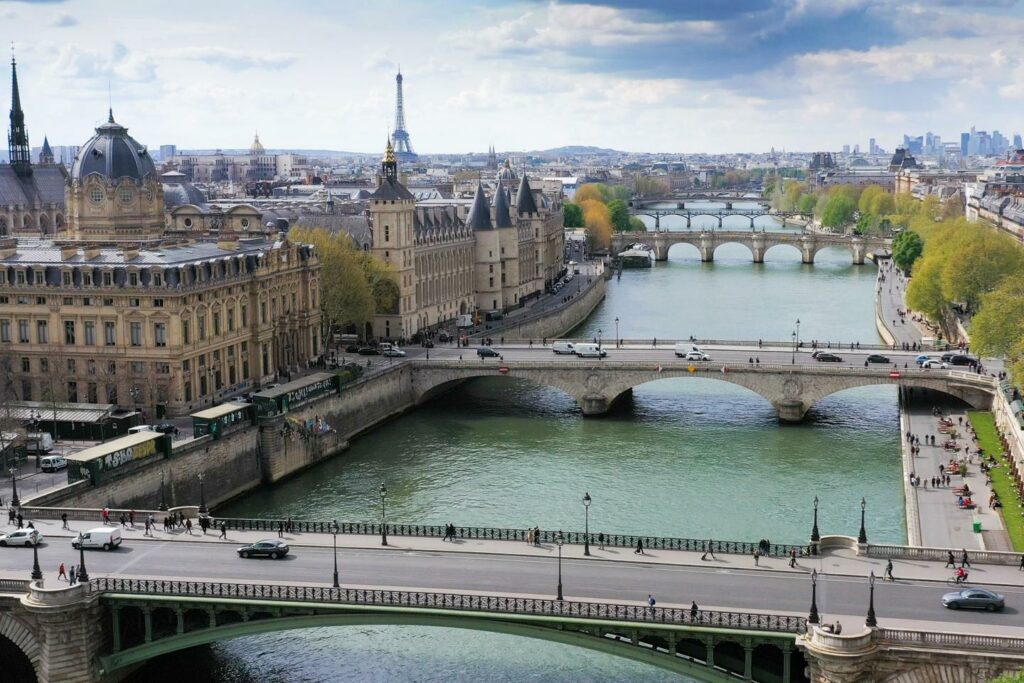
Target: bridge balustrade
[[1003, 644], [504, 534], [454, 601], [908, 552]]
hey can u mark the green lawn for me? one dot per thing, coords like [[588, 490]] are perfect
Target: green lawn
[[1002, 481]]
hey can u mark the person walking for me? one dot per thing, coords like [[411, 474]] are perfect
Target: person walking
[[888, 571], [1021, 568], [536, 535], [131, 518], [62, 575], [63, 520], [600, 546], [188, 526], [639, 547], [950, 560], [792, 558], [529, 536], [710, 550], [223, 531], [964, 561], [693, 611], [757, 558], [21, 521], [71, 576], [280, 529], [146, 532], [651, 602]]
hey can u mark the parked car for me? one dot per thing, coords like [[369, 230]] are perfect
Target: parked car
[[106, 537], [21, 537], [974, 598], [934, 364], [352, 348], [166, 428], [487, 352], [697, 355], [394, 352], [828, 358], [52, 463], [922, 358], [877, 358], [563, 347], [274, 548], [444, 337], [367, 351]]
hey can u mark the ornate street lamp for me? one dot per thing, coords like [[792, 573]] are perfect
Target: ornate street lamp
[[14, 488], [871, 621], [82, 574], [586, 524], [815, 536], [163, 499], [813, 617], [383, 517], [559, 540], [798, 331], [862, 537], [37, 573], [202, 495], [792, 356], [334, 534], [617, 343], [599, 340]]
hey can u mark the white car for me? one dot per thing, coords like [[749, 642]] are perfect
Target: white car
[[934, 364], [21, 537], [394, 352], [697, 355]]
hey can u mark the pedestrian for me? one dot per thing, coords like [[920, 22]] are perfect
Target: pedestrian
[[711, 549], [188, 526], [792, 558], [21, 519], [693, 611], [146, 532], [529, 536], [639, 547], [950, 560], [64, 520], [106, 515], [223, 531], [888, 571], [72, 576], [757, 557], [536, 535], [124, 521], [61, 574], [964, 561], [10, 515], [280, 529], [1021, 568], [651, 602], [131, 518], [204, 524], [600, 546]]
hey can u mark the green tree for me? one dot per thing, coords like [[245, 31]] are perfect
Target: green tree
[[983, 258], [998, 327], [620, 214], [1014, 677], [907, 248], [572, 215], [838, 211], [620, 192], [637, 225], [806, 203]]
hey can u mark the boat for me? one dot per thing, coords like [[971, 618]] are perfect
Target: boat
[[637, 256]]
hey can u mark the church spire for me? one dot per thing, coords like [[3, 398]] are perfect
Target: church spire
[[46, 153], [17, 139]]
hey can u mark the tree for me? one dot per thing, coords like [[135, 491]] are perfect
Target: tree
[[838, 211], [806, 203], [924, 293], [598, 220], [907, 248], [983, 258], [998, 327], [647, 186], [588, 192], [1013, 677], [572, 215], [637, 225], [620, 214], [876, 201], [620, 192]]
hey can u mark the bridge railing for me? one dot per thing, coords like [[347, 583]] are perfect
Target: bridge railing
[[950, 640], [666, 344], [546, 536], [17, 586], [907, 552], [456, 601]]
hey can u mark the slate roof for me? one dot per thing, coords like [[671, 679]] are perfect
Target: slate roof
[[524, 198], [391, 190], [502, 219], [113, 154], [44, 186], [479, 217], [46, 252]]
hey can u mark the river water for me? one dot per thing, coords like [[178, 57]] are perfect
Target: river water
[[512, 454]]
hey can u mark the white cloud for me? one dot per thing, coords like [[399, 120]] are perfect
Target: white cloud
[[120, 63], [234, 60], [64, 20]]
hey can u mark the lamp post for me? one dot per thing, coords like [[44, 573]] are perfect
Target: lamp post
[[334, 534], [862, 537], [871, 621], [383, 517], [163, 499], [599, 340], [617, 342], [37, 573], [82, 574], [815, 536], [798, 331], [202, 495], [14, 488], [586, 523], [559, 540], [813, 617], [792, 356]]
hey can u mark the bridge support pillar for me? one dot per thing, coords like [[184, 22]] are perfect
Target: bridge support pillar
[[757, 245], [844, 659], [859, 251], [71, 633], [594, 405], [707, 249], [790, 410], [748, 661]]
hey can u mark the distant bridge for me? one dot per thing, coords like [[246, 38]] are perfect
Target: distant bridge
[[720, 214], [707, 241]]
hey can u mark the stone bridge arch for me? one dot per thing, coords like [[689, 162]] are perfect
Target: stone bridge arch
[[20, 636]]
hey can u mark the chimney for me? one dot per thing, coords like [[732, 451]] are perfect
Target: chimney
[[68, 252], [131, 251], [92, 251], [8, 247]]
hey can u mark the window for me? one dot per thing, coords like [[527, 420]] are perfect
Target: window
[[263, 311], [19, 277], [72, 366], [42, 332], [93, 394], [135, 329], [108, 301], [5, 330], [188, 391], [90, 333], [23, 301], [87, 279], [87, 301], [158, 280], [26, 365], [112, 368], [126, 194], [163, 368], [41, 300], [492, 281], [72, 392], [65, 279], [133, 279], [44, 365], [387, 234], [490, 268], [90, 366], [158, 303], [110, 334], [108, 279], [186, 365], [245, 315], [96, 194], [134, 303], [216, 324], [160, 334], [26, 390], [138, 367], [68, 301], [186, 332], [23, 331], [40, 277], [69, 332], [231, 319], [202, 328]]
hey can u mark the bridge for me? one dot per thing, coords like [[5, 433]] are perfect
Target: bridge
[[719, 214], [707, 241], [792, 389], [683, 197]]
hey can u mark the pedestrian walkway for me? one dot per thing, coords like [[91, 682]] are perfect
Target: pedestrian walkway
[[838, 563], [890, 291]]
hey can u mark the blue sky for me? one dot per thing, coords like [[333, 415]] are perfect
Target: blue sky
[[644, 75]]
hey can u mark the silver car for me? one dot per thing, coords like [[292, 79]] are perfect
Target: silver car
[[974, 598], [21, 537]]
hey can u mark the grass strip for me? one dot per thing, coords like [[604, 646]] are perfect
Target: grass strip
[[984, 424]]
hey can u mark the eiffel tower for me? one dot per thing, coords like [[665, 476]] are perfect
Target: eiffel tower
[[400, 138]]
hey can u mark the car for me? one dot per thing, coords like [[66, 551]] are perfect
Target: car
[[21, 537], [697, 355], [367, 351], [933, 364], [828, 358], [974, 598], [352, 348], [166, 428], [274, 548], [922, 358], [961, 359], [394, 352], [444, 337], [427, 344], [487, 352], [877, 358], [946, 357]]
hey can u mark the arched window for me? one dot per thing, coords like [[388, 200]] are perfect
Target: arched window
[[96, 195]]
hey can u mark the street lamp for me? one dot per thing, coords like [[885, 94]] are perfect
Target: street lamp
[[871, 621], [586, 523], [862, 537], [163, 499], [813, 617], [798, 331], [815, 536], [617, 344], [334, 533], [37, 573], [82, 574], [383, 517], [792, 356], [559, 540], [14, 488], [202, 495], [599, 340]]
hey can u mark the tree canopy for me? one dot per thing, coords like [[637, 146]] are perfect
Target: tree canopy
[[838, 211], [572, 215], [907, 248]]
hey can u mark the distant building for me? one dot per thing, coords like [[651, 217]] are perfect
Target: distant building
[[168, 152], [902, 160]]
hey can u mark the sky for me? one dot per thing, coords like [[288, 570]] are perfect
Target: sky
[[636, 75]]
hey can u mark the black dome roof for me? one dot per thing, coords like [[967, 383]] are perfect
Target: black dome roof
[[113, 154]]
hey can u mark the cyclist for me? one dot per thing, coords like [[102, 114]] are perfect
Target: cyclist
[[961, 575]]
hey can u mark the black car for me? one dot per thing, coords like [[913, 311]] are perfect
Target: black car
[[273, 548], [961, 359], [828, 358], [368, 351], [876, 358], [166, 428], [427, 344], [487, 352], [352, 348]]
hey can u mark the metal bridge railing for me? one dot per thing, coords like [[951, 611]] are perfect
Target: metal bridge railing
[[456, 601]]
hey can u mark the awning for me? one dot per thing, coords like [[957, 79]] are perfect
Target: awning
[[65, 412]]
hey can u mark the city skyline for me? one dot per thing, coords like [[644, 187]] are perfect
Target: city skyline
[[634, 75]]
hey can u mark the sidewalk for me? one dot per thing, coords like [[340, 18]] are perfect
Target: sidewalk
[[891, 294], [839, 563]]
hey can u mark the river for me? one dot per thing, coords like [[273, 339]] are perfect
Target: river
[[514, 454]]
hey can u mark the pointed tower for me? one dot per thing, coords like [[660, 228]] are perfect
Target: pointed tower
[[46, 154], [17, 138], [400, 138], [394, 242]]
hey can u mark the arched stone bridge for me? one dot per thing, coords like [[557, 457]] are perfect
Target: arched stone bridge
[[720, 214], [791, 389], [759, 243]]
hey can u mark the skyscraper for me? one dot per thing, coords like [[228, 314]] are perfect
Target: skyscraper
[[1017, 142], [872, 147], [965, 144]]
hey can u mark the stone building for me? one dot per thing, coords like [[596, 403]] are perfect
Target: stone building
[[463, 256], [257, 165]]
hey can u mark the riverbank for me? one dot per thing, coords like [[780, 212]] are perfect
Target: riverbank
[[1002, 478]]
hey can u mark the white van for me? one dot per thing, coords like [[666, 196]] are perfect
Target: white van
[[52, 463], [690, 351], [106, 537], [589, 350], [38, 442], [141, 428], [563, 347]]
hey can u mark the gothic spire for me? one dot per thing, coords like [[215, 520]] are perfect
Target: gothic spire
[[46, 153], [17, 140]]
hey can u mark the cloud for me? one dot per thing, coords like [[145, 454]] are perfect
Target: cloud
[[120, 64], [64, 20], [234, 60]]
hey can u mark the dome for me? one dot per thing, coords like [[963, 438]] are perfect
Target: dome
[[506, 176], [113, 154], [179, 192], [256, 147]]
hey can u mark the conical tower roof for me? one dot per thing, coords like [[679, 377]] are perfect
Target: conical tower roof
[[524, 198], [502, 219], [479, 217]]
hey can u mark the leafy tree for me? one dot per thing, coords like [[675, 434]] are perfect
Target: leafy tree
[[907, 248], [1014, 677], [838, 211], [983, 257], [598, 220], [620, 214], [620, 192], [924, 293], [876, 201], [998, 327], [648, 186], [637, 225], [572, 215], [806, 203], [590, 191]]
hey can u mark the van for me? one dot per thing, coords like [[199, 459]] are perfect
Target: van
[[141, 428], [563, 347], [38, 442], [106, 537], [683, 348], [464, 320], [52, 463], [590, 351]]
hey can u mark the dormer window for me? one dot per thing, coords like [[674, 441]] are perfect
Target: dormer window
[[96, 195], [126, 194]]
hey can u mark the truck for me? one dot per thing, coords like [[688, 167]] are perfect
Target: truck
[[464, 320], [38, 442]]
